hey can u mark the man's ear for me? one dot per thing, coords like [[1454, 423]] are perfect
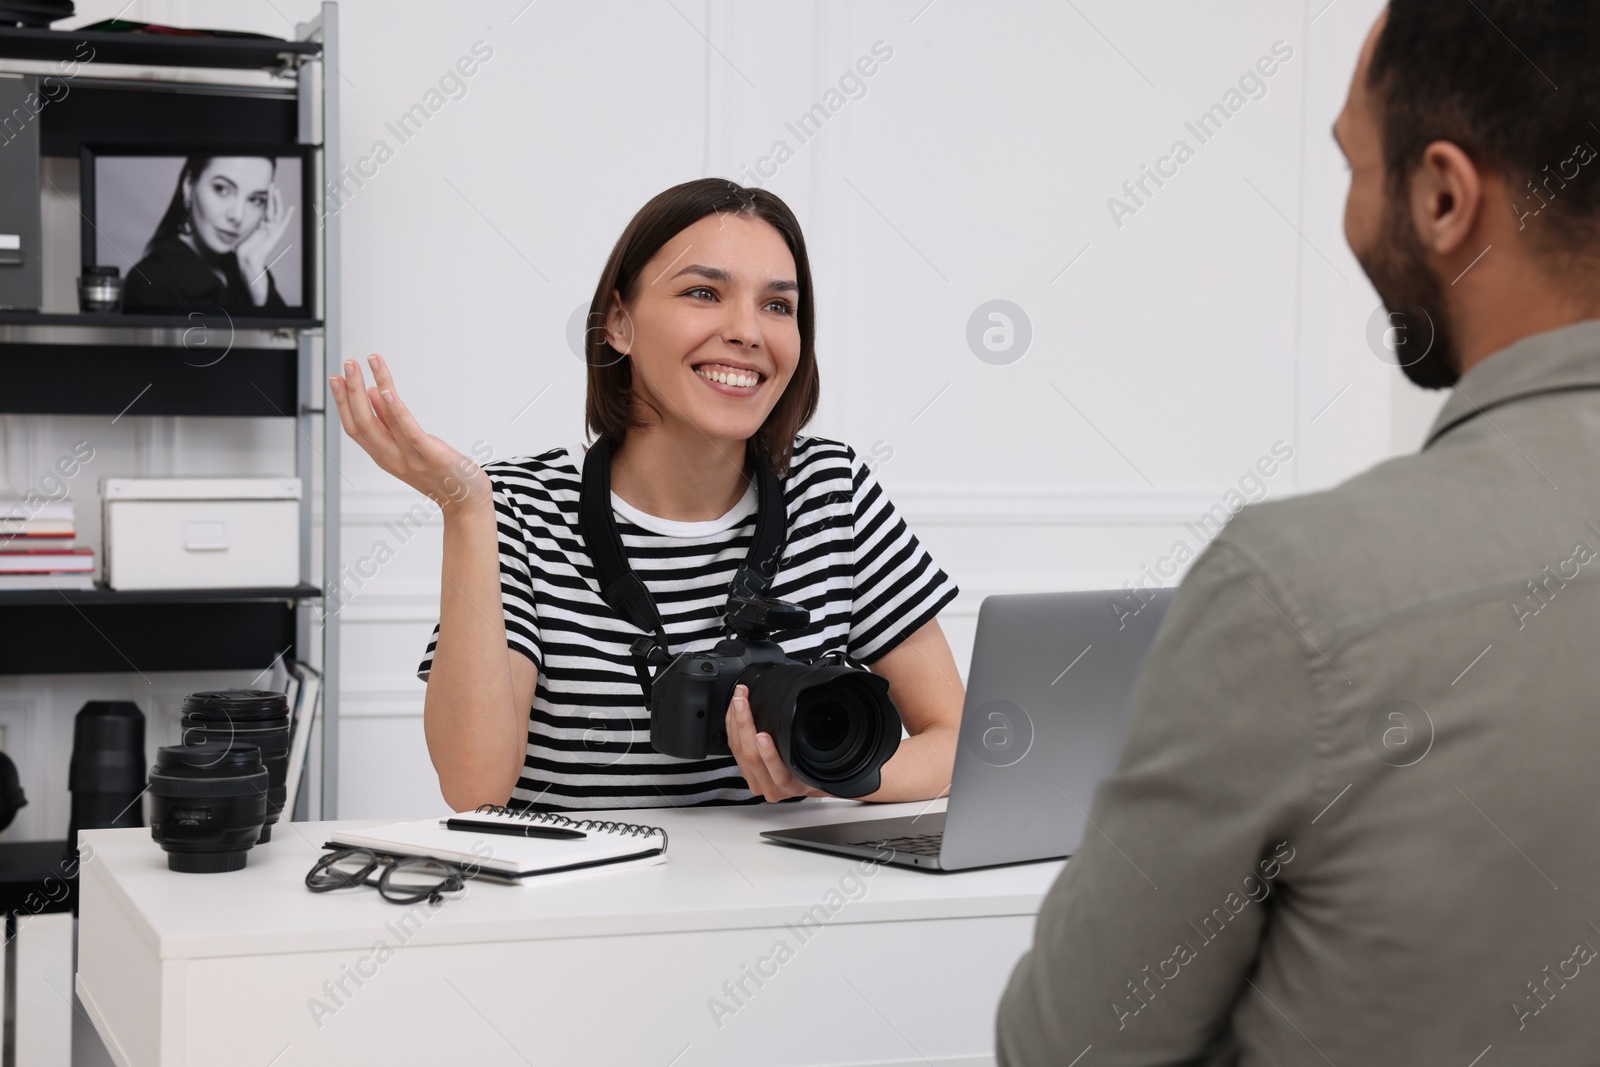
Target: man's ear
[[1447, 198]]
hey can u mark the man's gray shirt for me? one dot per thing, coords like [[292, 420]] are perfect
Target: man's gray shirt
[[1357, 819]]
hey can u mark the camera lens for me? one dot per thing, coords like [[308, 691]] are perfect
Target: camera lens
[[107, 774], [834, 726], [208, 803], [824, 726], [836, 732], [250, 716]]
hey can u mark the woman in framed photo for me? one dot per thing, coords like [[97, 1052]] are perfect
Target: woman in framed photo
[[215, 245], [701, 367]]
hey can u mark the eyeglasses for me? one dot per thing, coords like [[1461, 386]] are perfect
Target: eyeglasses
[[404, 880]]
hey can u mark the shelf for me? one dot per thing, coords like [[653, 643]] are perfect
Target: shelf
[[155, 50], [154, 114], [101, 631], [250, 93], [132, 380], [123, 321], [33, 878], [18, 597]]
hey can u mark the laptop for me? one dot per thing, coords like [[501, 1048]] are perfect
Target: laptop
[[1046, 712]]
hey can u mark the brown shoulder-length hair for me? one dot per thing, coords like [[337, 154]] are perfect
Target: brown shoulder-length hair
[[608, 407]]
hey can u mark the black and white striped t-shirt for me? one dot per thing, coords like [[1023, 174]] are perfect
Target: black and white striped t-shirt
[[848, 558]]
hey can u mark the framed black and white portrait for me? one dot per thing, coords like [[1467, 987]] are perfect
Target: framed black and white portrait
[[203, 229]]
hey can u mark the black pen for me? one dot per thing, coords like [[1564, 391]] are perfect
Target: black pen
[[529, 830]]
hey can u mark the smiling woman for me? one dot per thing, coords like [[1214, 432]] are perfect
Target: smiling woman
[[724, 295], [701, 369]]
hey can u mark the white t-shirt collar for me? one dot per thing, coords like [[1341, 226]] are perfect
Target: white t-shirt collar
[[672, 527]]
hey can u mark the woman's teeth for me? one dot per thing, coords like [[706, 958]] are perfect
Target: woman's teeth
[[735, 378]]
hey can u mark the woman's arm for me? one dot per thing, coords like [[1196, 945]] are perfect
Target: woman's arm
[[480, 691], [925, 687], [475, 711]]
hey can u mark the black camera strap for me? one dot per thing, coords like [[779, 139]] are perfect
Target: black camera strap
[[626, 593]]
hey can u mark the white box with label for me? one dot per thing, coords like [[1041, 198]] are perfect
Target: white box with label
[[201, 533]]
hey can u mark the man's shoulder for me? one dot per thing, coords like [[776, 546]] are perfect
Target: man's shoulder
[[1390, 493], [1362, 548]]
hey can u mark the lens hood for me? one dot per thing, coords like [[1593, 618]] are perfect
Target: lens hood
[[834, 726]]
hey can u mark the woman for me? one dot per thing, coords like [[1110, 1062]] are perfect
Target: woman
[[215, 245], [700, 366]]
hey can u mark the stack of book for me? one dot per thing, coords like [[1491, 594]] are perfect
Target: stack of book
[[38, 550]]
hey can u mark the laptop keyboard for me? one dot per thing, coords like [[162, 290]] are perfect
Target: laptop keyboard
[[919, 844]]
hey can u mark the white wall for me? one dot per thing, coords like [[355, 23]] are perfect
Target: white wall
[[1168, 354]]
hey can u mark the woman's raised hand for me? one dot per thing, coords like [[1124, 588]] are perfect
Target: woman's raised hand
[[380, 423]]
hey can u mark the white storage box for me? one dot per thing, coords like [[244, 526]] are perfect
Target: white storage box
[[201, 533]]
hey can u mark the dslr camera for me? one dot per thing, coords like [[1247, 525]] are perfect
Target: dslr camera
[[834, 724]]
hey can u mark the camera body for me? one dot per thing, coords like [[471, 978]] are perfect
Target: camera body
[[834, 724]]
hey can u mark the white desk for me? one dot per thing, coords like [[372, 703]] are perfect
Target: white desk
[[617, 967]]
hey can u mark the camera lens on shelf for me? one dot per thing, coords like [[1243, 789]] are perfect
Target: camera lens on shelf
[[107, 773], [100, 289], [252, 716], [208, 803]]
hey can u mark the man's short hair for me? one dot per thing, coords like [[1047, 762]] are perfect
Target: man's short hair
[[1516, 85]]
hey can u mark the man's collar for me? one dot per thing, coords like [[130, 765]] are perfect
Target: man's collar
[[1551, 362]]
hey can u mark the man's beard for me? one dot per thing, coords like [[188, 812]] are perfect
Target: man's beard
[[1398, 269]]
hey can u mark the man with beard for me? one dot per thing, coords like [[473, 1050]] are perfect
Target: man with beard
[[1356, 818]]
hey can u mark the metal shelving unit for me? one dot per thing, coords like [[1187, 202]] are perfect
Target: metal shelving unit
[[52, 369]]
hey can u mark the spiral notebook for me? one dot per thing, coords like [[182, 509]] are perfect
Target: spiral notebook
[[504, 856]]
